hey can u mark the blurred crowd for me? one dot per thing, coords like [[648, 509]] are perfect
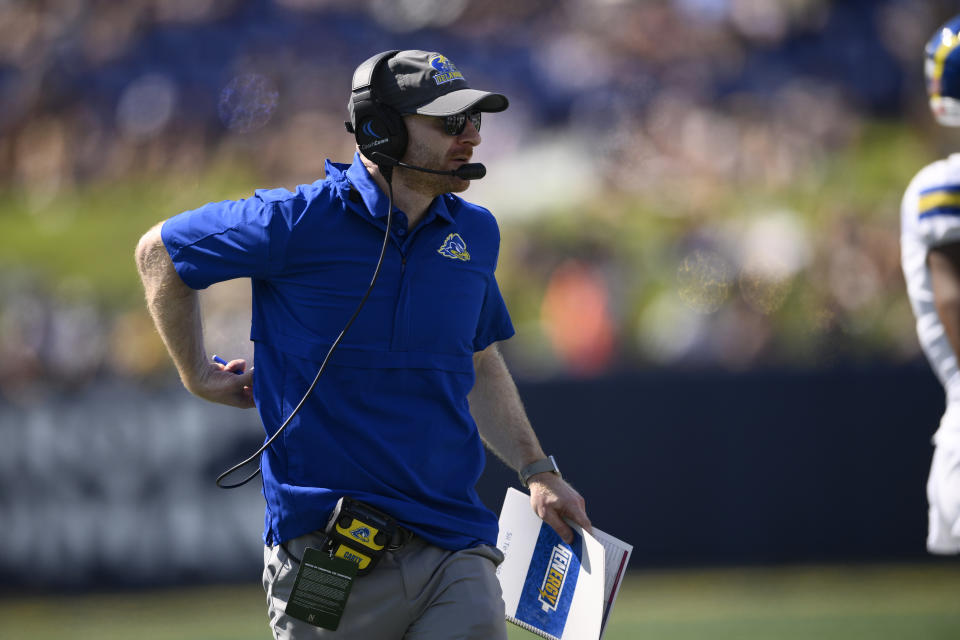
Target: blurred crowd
[[679, 182]]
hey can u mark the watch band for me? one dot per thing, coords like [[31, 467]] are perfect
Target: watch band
[[540, 466]]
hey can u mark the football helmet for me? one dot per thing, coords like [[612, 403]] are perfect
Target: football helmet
[[942, 69]]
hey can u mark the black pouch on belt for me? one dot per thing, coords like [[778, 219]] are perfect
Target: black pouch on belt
[[359, 533]]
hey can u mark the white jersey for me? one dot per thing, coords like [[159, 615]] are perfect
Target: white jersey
[[929, 217]]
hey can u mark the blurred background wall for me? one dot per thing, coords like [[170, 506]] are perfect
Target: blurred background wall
[[699, 203]]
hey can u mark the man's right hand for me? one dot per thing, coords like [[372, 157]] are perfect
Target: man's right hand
[[229, 384]]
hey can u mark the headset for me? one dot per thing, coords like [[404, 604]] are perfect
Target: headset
[[379, 128], [382, 137]]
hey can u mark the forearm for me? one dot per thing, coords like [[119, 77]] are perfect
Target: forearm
[[496, 407], [498, 411], [174, 307], [949, 313]]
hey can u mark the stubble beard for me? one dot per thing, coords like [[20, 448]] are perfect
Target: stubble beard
[[429, 183]]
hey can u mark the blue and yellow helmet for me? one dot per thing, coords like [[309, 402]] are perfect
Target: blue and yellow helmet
[[942, 69]]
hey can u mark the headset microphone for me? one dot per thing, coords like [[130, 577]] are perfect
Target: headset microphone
[[472, 171]]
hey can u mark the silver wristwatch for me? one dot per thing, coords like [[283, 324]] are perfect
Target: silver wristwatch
[[540, 466]]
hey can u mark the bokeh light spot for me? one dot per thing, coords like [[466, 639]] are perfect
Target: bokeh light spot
[[146, 106], [247, 102], [703, 280], [762, 291]]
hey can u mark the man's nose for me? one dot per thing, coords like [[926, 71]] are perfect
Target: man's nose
[[470, 134]]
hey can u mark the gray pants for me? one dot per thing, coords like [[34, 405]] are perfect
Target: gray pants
[[419, 592]]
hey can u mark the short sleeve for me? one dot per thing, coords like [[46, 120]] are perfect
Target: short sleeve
[[937, 214], [494, 323], [226, 240]]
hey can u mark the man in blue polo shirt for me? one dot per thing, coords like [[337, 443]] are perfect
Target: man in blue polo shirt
[[398, 419]]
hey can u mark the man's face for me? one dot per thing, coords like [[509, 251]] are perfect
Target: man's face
[[431, 148]]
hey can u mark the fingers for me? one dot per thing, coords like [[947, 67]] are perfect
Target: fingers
[[562, 528], [240, 388], [580, 517], [247, 380], [229, 383], [238, 365], [577, 511], [558, 520], [556, 504]]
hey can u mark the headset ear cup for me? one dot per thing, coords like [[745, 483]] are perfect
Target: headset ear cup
[[398, 129], [377, 127], [381, 129]]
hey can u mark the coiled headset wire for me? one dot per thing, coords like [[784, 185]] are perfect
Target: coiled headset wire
[[387, 174]]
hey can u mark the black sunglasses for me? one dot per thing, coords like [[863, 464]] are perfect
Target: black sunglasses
[[455, 124]]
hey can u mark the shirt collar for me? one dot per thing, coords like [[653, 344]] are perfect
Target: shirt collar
[[376, 200]]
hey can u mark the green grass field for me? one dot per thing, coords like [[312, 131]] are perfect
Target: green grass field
[[915, 602]]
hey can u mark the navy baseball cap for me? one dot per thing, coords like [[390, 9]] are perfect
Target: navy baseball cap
[[428, 83]]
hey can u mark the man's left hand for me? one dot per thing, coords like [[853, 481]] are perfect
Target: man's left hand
[[554, 500]]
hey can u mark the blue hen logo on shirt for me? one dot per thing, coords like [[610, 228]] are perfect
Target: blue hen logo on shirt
[[454, 247]]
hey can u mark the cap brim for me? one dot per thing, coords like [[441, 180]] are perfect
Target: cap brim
[[462, 100]]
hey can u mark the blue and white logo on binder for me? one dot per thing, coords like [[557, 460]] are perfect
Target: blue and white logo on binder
[[551, 581]]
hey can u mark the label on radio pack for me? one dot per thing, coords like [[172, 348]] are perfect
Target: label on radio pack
[[321, 589]]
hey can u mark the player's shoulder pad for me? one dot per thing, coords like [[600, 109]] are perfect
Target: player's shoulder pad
[[935, 190]]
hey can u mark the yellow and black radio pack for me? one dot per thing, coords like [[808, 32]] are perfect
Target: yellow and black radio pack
[[359, 533]]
